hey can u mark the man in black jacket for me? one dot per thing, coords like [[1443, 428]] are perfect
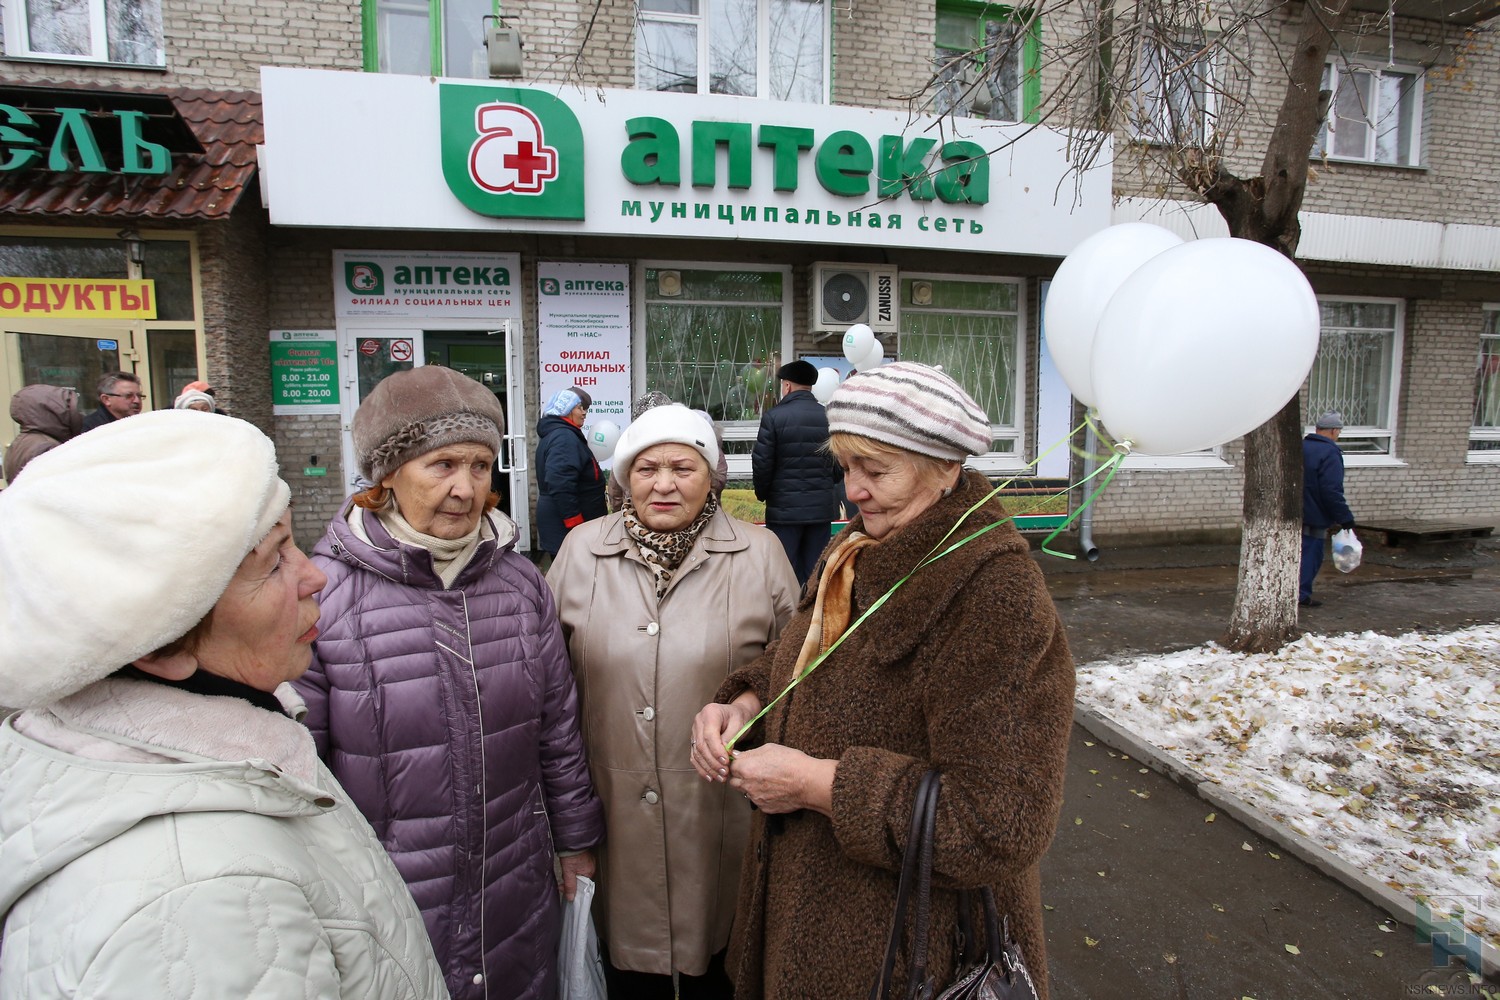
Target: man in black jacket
[[793, 472]]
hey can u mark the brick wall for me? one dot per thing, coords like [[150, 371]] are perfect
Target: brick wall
[[223, 45]]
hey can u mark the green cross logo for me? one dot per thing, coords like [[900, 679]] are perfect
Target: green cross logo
[[510, 152]]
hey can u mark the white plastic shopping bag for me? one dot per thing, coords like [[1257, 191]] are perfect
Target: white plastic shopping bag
[[1347, 551], [580, 970]]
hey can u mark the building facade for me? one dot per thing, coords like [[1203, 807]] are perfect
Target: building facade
[[682, 194]]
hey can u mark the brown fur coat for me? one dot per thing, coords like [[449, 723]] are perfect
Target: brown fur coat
[[965, 669]]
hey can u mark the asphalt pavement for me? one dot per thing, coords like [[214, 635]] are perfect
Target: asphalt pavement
[[1146, 897]]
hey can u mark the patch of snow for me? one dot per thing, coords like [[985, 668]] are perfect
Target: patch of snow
[[1383, 749]]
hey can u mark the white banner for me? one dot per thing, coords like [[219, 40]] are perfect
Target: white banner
[[382, 151], [583, 335], [483, 286]]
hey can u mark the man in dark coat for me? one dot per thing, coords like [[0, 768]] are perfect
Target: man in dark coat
[[1323, 503], [119, 397], [793, 472], [570, 485]]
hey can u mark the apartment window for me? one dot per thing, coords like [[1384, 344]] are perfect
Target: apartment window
[[426, 37], [112, 31], [1355, 371], [1375, 115], [972, 328], [773, 49], [985, 63], [1172, 102], [1484, 435]]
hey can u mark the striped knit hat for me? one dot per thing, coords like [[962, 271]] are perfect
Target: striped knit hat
[[911, 406]]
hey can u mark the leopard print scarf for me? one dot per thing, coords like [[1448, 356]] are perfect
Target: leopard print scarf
[[665, 550]]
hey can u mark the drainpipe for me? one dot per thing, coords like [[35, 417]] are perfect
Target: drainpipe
[[1086, 519]]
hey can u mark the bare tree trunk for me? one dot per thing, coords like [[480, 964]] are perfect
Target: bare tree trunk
[[1265, 605], [1265, 209]]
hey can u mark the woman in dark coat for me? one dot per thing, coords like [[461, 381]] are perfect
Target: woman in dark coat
[[965, 669], [569, 483], [441, 695]]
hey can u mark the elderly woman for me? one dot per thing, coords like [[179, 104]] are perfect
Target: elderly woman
[[165, 829], [964, 669], [194, 399], [440, 693], [569, 482], [660, 602]]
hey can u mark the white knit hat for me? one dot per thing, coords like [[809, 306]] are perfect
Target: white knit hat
[[671, 424], [191, 396], [911, 406], [121, 540]]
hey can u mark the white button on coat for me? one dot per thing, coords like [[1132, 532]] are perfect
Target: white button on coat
[[648, 713], [653, 628], [478, 978], [651, 797]]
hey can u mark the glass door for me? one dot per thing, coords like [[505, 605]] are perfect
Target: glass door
[[74, 357], [368, 357]]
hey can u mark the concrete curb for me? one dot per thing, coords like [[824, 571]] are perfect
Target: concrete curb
[[1398, 905]]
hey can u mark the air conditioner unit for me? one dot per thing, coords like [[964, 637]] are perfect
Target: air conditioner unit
[[845, 294]]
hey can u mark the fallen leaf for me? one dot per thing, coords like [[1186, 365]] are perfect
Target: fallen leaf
[[1145, 770], [1274, 855], [1077, 820], [1088, 743], [1091, 942], [1292, 949], [1219, 908], [1171, 958], [1048, 907], [1100, 874], [1209, 818], [1246, 847], [1378, 953], [1387, 928]]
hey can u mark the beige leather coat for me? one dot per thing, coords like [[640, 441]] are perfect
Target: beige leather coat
[[670, 866]]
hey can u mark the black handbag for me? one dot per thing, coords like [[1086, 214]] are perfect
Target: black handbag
[[996, 973]]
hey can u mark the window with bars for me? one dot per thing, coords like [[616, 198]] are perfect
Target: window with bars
[[1173, 100], [107, 31], [713, 340], [1484, 435], [426, 37], [1375, 115], [1356, 371], [772, 49], [972, 328], [985, 62]]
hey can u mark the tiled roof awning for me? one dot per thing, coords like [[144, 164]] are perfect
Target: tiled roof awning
[[211, 135]]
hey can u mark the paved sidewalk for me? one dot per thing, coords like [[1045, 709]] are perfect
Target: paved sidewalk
[[1148, 898]]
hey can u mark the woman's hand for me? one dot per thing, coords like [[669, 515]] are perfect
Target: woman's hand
[[574, 865], [713, 727], [778, 779]]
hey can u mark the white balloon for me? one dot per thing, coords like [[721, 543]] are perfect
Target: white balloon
[[857, 341], [1203, 343], [874, 359], [603, 435], [1081, 289], [828, 380]]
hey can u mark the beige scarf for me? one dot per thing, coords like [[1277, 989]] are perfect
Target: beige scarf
[[833, 608], [449, 555]]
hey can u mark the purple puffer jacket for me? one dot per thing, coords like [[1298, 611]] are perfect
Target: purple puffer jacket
[[450, 717]]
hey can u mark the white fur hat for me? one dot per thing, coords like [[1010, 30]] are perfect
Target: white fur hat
[[121, 540], [670, 424]]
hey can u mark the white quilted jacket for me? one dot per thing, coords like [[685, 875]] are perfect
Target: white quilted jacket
[[157, 843]]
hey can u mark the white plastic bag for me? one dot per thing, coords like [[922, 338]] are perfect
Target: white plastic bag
[[1346, 551], [580, 970]]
